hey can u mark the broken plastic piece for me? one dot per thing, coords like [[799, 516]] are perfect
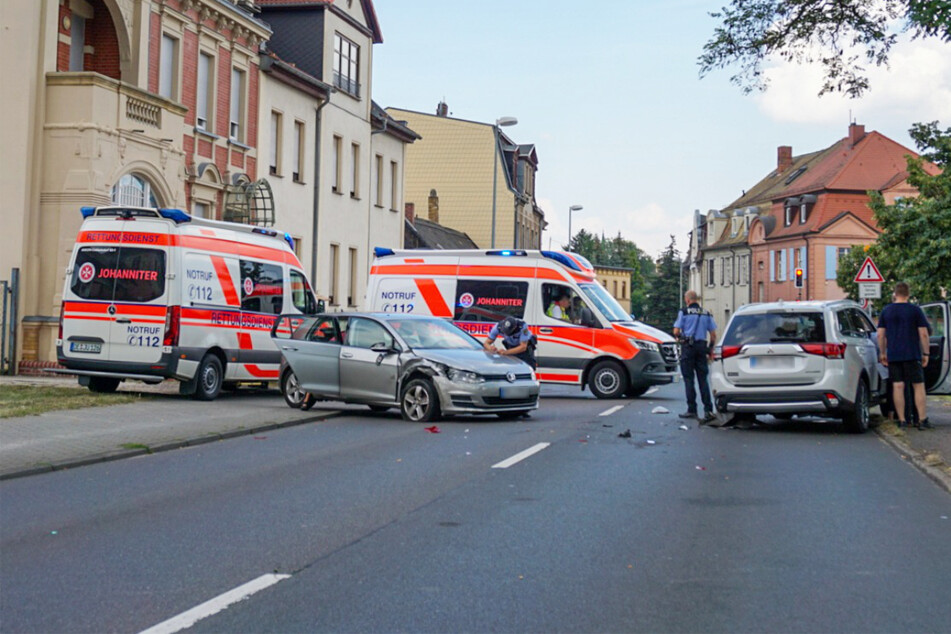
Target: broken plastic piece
[[651, 442], [660, 410], [625, 434], [432, 430], [685, 428]]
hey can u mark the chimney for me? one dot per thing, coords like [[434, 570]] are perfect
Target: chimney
[[442, 109], [433, 206], [856, 134], [783, 158], [410, 212]]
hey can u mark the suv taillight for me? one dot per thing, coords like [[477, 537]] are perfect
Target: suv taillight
[[827, 350], [172, 319], [725, 352]]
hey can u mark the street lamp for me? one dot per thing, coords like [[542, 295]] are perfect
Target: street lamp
[[501, 121], [571, 209]]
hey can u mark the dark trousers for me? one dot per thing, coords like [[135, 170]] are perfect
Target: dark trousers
[[693, 362]]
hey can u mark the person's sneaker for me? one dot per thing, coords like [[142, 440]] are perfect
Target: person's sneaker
[[926, 424], [687, 414]]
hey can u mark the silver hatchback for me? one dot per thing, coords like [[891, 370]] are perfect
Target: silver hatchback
[[426, 366], [809, 358]]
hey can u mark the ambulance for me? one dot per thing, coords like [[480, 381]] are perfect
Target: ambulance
[[592, 342], [152, 294]]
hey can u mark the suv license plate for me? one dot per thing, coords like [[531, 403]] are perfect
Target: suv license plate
[[91, 347], [514, 392], [772, 363]]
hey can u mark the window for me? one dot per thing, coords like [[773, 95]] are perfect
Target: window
[[336, 165], [298, 152], [324, 331], [624, 290], [235, 128], [266, 284], [489, 301], [334, 267], [277, 121], [77, 43], [803, 213], [781, 265], [168, 68], [200, 210], [301, 295], [379, 181], [365, 333], [205, 92], [133, 191], [727, 271], [352, 286], [711, 274], [355, 171], [833, 255], [346, 65], [394, 187], [789, 215], [774, 327], [119, 274]]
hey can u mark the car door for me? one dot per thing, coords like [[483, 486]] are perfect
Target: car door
[[937, 375], [368, 375], [313, 352], [865, 340]]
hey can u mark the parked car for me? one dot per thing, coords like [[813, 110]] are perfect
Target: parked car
[[426, 366], [809, 358]]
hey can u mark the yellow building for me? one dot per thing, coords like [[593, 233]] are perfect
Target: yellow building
[[617, 281], [456, 158]]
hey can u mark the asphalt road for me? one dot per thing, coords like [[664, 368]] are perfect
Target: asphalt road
[[365, 523]]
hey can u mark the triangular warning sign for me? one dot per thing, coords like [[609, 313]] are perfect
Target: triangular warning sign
[[868, 272]]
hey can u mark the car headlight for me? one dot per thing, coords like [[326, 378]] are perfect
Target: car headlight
[[644, 344], [464, 376]]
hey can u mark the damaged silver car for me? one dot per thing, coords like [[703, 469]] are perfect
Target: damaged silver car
[[426, 366]]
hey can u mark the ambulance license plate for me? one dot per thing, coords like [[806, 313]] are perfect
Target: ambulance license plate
[[90, 347], [520, 391]]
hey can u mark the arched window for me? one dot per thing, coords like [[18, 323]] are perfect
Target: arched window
[[134, 191]]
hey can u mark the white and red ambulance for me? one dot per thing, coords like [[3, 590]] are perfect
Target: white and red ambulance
[[152, 294], [591, 342]]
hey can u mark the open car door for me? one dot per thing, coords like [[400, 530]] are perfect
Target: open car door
[[937, 375]]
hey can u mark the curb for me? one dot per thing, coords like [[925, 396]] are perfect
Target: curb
[[916, 458], [122, 454]]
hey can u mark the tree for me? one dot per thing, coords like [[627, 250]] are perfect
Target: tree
[[836, 33], [619, 252], [665, 289], [915, 243]]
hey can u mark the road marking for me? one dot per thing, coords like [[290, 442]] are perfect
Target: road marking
[[219, 603], [608, 412], [522, 455], [651, 390]]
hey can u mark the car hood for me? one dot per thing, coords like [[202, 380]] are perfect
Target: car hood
[[640, 328], [474, 361]]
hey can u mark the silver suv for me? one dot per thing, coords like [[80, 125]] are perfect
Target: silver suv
[[810, 358]]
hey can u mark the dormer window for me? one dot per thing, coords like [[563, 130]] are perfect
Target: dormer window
[[791, 206], [806, 203]]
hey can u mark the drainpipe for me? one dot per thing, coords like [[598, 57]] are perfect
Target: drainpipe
[[313, 250]]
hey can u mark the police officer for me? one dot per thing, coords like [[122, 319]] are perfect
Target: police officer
[[517, 340], [697, 333]]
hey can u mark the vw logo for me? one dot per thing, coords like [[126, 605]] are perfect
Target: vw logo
[[510, 377]]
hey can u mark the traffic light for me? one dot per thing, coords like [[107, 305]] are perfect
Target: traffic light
[[798, 278]]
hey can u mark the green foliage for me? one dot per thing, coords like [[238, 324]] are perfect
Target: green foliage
[[621, 253], [665, 289], [823, 31], [915, 243]]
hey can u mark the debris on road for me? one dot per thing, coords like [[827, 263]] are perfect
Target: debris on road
[[651, 442], [625, 434], [684, 427], [432, 430], [660, 410], [699, 468]]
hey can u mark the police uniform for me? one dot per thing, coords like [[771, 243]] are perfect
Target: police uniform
[[695, 324], [515, 332]]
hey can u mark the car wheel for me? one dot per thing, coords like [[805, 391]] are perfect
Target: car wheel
[[856, 421], [103, 384], [419, 402], [379, 408], [210, 378], [607, 380], [290, 388]]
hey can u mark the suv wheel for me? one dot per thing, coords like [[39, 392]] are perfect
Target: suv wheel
[[856, 421]]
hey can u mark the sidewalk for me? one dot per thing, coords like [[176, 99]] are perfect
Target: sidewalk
[[72, 438]]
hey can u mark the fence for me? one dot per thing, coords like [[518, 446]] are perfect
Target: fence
[[9, 294]]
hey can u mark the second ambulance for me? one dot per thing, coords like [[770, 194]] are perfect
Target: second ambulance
[[584, 336]]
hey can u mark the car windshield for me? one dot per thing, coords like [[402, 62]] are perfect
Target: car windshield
[[605, 303], [776, 327], [435, 334]]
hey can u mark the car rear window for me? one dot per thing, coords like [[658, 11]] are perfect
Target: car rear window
[[776, 327], [119, 274]]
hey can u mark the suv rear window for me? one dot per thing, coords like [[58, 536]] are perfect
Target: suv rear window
[[776, 327], [119, 274]]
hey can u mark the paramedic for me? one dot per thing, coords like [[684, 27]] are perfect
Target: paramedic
[[697, 332], [558, 309], [517, 339]]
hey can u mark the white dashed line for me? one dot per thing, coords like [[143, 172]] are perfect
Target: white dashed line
[[651, 390], [608, 412], [522, 455], [219, 603]]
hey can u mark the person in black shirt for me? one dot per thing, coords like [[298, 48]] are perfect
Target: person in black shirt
[[903, 338]]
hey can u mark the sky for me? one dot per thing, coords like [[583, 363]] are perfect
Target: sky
[[610, 94]]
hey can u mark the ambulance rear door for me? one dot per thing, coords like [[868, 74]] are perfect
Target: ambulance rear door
[[414, 286]]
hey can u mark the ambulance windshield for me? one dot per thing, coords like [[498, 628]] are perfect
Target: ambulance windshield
[[605, 302]]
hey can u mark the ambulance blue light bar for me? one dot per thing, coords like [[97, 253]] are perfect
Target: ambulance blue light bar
[[264, 232], [289, 240], [507, 252], [87, 211], [563, 259], [175, 215], [382, 252]]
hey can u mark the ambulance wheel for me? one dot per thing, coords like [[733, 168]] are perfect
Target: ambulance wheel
[[103, 384], [607, 379], [634, 392], [290, 388], [419, 402], [210, 378]]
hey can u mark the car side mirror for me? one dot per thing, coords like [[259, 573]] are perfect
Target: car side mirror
[[381, 347]]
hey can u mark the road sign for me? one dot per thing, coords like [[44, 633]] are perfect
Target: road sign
[[866, 303], [868, 272], [870, 290]]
